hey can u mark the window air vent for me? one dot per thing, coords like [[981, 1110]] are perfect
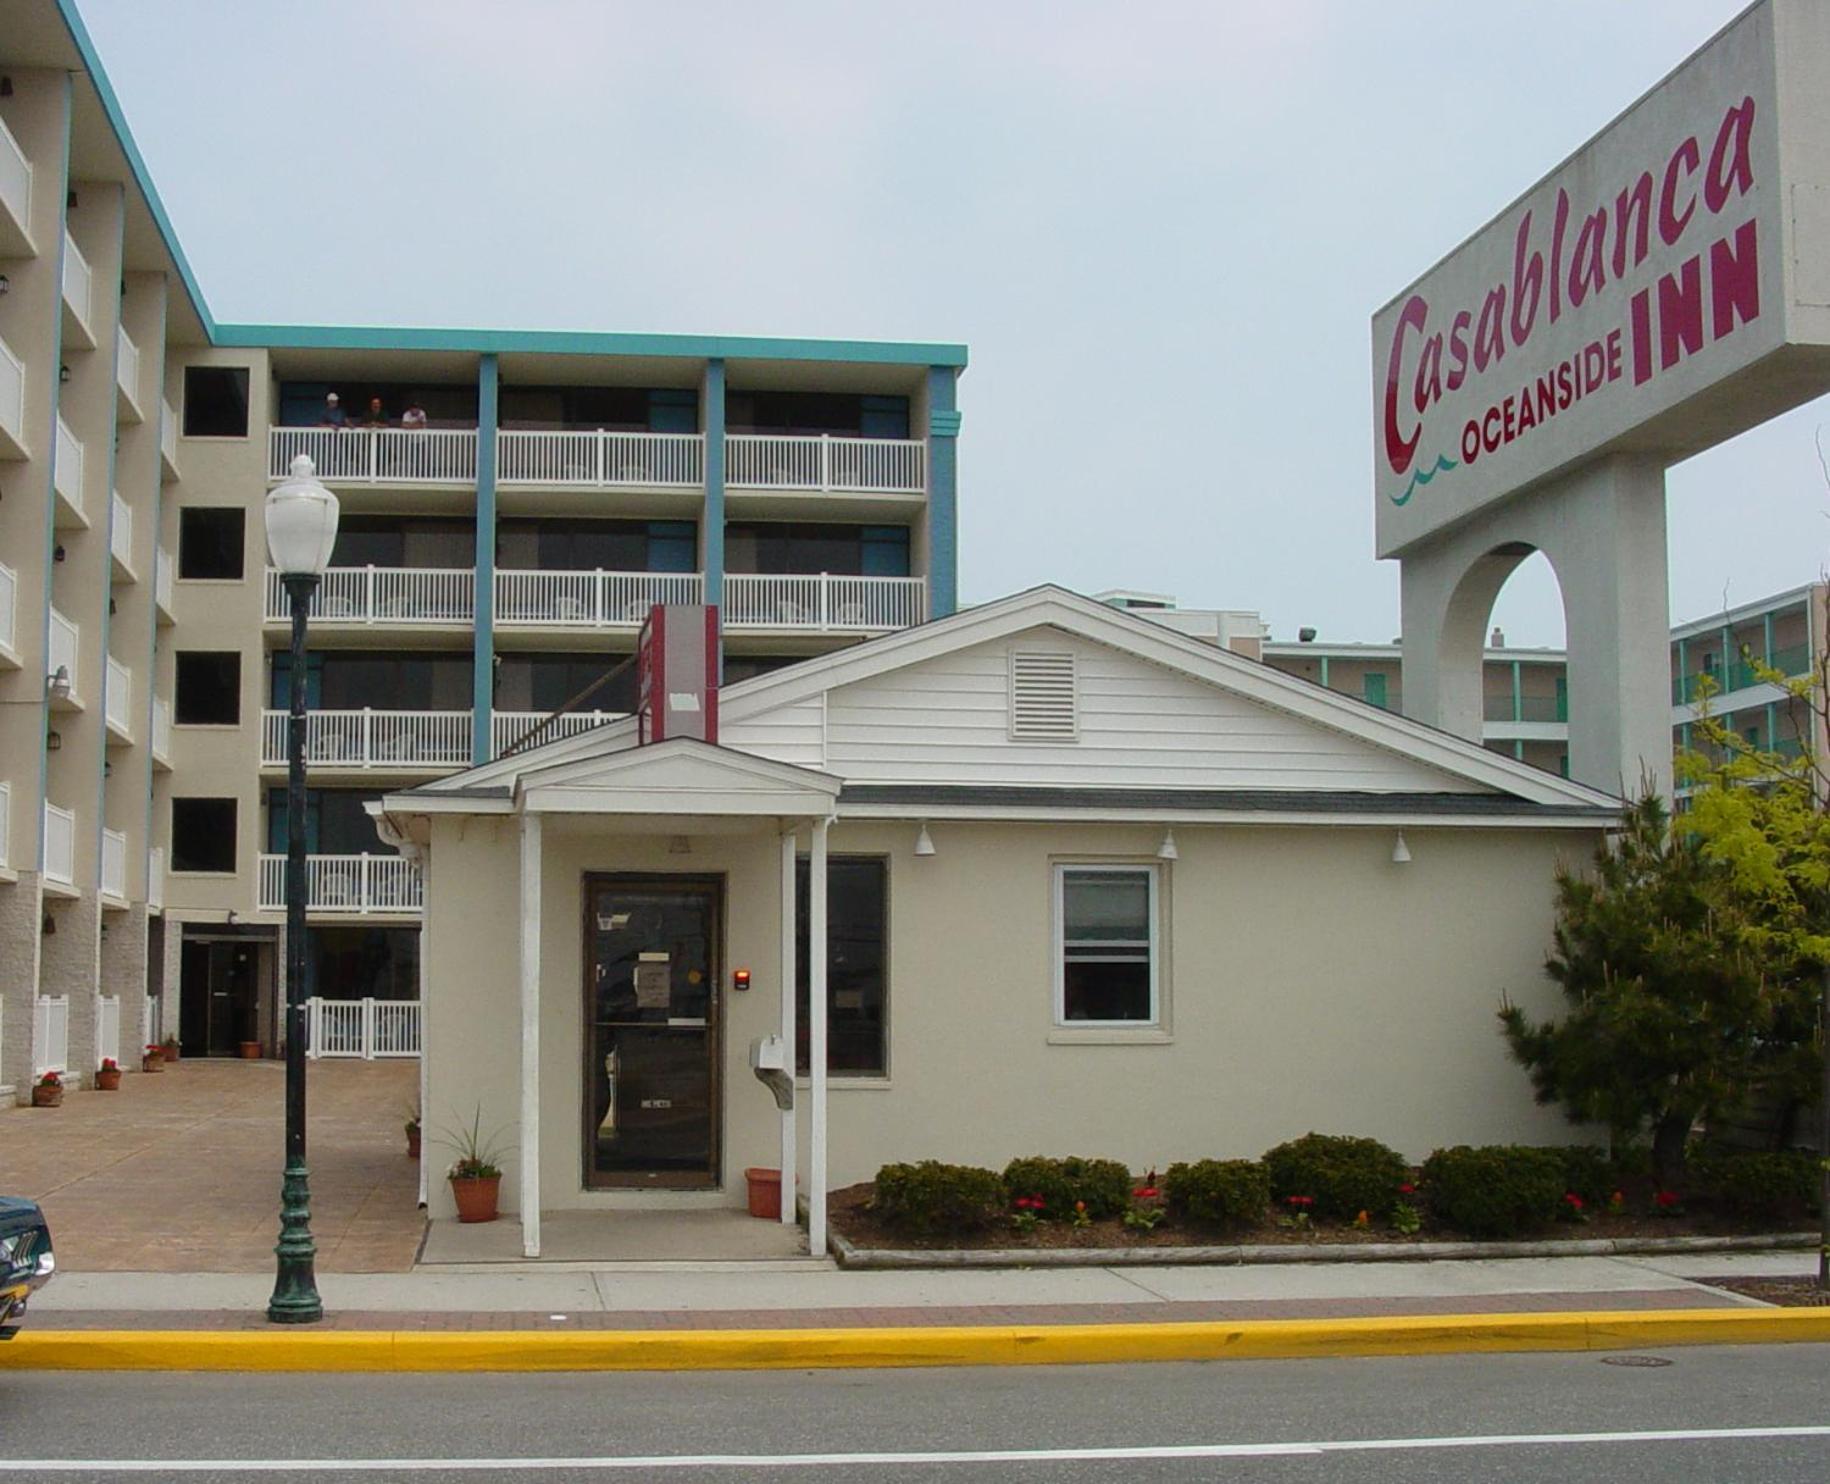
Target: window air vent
[[1042, 698]]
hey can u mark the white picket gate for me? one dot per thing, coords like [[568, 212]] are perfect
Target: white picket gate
[[50, 1034], [367, 1028], [107, 1029]]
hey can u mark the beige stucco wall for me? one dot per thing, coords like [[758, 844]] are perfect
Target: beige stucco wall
[[1310, 984]]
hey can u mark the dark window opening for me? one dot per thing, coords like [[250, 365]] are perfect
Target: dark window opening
[[845, 414], [215, 401], [348, 680], [857, 964], [844, 551], [545, 682], [362, 963], [337, 822], [396, 541], [564, 545], [747, 666], [210, 541], [208, 688], [203, 835], [617, 409]]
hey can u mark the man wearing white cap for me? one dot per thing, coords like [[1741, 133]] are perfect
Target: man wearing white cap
[[333, 413]]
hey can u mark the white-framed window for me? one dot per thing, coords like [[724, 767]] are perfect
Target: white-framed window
[[1107, 969]]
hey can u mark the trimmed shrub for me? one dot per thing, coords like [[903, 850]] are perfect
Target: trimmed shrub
[[1767, 1186], [1104, 1184], [1218, 1193], [1589, 1173], [1499, 1190], [1344, 1176], [934, 1199]]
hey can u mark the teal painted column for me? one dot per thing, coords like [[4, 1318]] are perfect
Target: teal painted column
[[712, 539], [943, 491], [1518, 693], [483, 666]]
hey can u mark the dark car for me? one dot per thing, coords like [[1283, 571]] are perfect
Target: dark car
[[26, 1262]]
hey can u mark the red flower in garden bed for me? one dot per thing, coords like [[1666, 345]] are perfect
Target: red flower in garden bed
[[1300, 1202]]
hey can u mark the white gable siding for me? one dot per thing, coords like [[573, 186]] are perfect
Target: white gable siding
[[789, 734], [947, 720]]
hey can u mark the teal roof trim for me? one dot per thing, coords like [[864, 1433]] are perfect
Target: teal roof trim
[[111, 106], [585, 342]]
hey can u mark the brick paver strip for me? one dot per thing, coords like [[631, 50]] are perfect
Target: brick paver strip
[[957, 1314], [180, 1171]]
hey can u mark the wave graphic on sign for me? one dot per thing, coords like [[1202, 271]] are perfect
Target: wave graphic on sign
[[1423, 476]]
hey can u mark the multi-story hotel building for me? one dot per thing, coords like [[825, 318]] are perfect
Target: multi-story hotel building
[[1526, 695], [512, 504]]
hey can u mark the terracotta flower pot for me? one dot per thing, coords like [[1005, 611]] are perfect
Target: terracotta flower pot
[[108, 1079], [250, 1050], [765, 1192], [476, 1196], [171, 1052], [152, 1061], [412, 1143], [47, 1097]]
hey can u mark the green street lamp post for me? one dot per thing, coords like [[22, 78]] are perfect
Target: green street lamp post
[[301, 530]]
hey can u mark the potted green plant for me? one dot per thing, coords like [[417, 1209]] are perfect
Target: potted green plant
[[170, 1048], [476, 1173], [412, 1132], [152, 1059], [48, 1091], [108, 1077]]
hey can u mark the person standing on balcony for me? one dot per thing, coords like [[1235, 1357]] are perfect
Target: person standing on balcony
[[414, 418], [333, 413], [376, 417]]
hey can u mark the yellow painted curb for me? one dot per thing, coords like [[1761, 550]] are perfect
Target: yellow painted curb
[[797, 1349]]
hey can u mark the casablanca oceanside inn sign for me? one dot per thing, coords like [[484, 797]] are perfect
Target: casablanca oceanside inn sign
[[1665, 288]]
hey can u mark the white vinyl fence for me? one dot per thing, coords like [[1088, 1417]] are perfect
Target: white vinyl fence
[[50, 1035], [107, 1029], [368, 1029]]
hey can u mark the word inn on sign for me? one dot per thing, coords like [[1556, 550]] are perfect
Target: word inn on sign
[[1665, 320]]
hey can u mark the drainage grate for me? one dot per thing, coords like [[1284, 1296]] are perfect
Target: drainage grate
[[1646, 1361]]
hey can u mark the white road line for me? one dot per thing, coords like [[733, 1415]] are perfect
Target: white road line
[[877, 1460]]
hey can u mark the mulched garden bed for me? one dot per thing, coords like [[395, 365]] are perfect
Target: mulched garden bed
[[850, 1215], [1790, 1293]]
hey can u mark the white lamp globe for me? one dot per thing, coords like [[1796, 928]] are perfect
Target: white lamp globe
[[301, 522]]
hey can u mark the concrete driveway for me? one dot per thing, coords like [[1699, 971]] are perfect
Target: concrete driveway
[[179, 1171]]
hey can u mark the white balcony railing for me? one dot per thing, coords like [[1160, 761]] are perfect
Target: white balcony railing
[[377, 455], [345, 883], [78, 286], [155, 878], [6, 821], [373, 739], [117, 699], [67, 471], [773, 461], [12, 398], [822, 601], [506, 728], [602, 459], [50, 1034], [590, 599], [168, 438], [66, 643], [59, 844], [9, 608], [162, 581], [127, 368], [15, 179], [161, 729], [384, 595], [120, 531], [364, 1028], [114, 865], [107, 1029]]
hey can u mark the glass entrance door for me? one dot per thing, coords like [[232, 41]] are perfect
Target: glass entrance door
[[651, 1034]]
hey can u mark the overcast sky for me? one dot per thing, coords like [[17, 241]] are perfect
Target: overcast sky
[[1161, 229]]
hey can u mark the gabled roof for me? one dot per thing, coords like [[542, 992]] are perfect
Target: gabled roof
[[679, 776], [1071, 613]]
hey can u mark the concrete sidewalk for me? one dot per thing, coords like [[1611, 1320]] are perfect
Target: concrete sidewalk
[[749, 1296]]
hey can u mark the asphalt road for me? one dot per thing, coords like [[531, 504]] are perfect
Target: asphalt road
[[1748, 1414]]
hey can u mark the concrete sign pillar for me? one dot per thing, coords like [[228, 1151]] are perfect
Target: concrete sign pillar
[[1603, 531]]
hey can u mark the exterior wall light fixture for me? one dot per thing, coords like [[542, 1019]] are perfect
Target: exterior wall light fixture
[[1401, 853], [924, 842], [1167, 850]]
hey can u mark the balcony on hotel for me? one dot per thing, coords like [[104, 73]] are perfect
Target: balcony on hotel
[[412, 573], [821, 455], [791, 578], [349, 872], [363, 445], [403, 712], [578, 575]]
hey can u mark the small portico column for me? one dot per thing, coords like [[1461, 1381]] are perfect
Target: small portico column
[[816, 1042], [790, 1216], [530, 1035]]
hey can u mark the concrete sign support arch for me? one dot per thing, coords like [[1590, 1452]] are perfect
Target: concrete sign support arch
[[1662, 290]]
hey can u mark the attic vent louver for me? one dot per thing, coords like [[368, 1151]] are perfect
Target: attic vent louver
[[1042, 705]]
